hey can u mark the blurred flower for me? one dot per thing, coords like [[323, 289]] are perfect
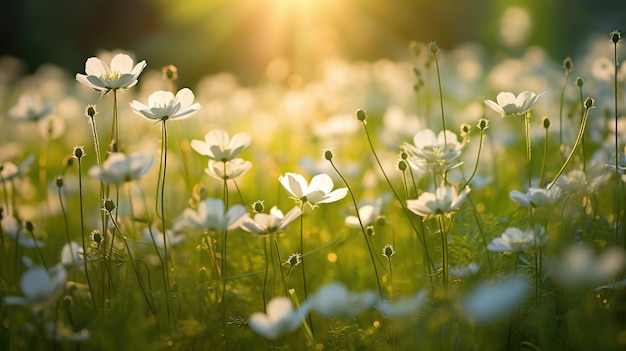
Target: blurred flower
[[319, 191], [274, 222], [335, 300], [60, 332], [403, 307], [445, 200], [210, 215], [39, 285], [29, 107], [119, 168], [280, 318], [72, 255], [14, 230], [510, 105], [227, 170], [152, 234], [121, 74], [51, 128], [163, 105], [466, 270], [580, 266], [515, 240], [489, 302], [440, 149], [8, 170], [576, 182], [219, 147], [369, 211], [536, 197]]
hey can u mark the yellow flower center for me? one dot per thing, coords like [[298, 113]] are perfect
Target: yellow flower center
[[111, 76]]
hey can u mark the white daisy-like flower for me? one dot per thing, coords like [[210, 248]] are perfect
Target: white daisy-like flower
[[580, 266], [319, 191], [119, 168], [402, 307], [577, 182], [280, 319], [369, 211], [39, 285], [72, 255], [9, 170], [14, 230], [227, 170], [210, 215], [465, 271], [163, 105], [154, 235], [510, 105], [489, 302], [335, 300], [120, 75], [445, 200], [30, 107], [218, 146], [515, 240], [430, 148], [274, 222], [536, 197]]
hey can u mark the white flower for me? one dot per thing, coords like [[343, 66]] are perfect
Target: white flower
[[369, 211], [489, 302], [403, 307], [152, 234], [227, 170], [29, 107], [121, 74], [119, 168], [577, 182], [335, 300], [8, 170], [72, 255], [219, 147], [427, 147], [510, 105], [466, 270], [580, 266], [14, 230], [515, 240], [280, 318], [445, 200], [39, 285], [319, 191], [274, 222], [163, 105], [536, 197], [210, 215]]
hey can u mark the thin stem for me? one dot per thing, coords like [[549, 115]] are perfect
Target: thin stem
[[302, 264], [280, 262], [358, 215], [545, 158], [267, 264], [444, 251], [617, 178], [528, 147], [67, 228], [480, 148], [567, 71], [443, 119], [164, 261], [82, 234]]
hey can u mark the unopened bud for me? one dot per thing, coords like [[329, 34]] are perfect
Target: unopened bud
[[402, 166], [616, 36], [90, 111], [29, 226], [96, 236], [483, 124], [258, 206], [79, 152], [589, 103], [59, 182], [328, 155], [170, 72], [433, 48], [109, 205], [568, 64], [360, 115], [579, 82], [546, 122]]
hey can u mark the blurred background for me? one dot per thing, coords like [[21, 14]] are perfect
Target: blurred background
[[243, 36]]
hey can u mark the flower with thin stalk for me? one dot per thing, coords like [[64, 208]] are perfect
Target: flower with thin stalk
[[581, 266], [72, 255], [218, 146], [39, 285], [510, 105], [227, 170], [154, 235], [335, 300], [15, 230], [120, 75], [164, 105], [435, 149], [445, 200], [492, 301], [30, 107], [465, 270], [577, 182], [516, 240], [120, 168], [274, 222], [281, 318], [9, 170], [403, 307], [369, 212], [536, 197], [210, 215], [318, 191]]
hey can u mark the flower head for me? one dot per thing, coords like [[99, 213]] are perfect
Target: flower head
[[515, 240], [8, 170], [227, 170], [152, 234], [430, 148], [163, 105], [280, 319], [444, 200], [335, 300], [274, 222], [403, 307], [580, 266], [369, 211], [510, 105], [120, 75], [319, 191], [536, 197], [30, 107], [489, 302], [210, 215], [119, 168], [39, 285], [218, 146]]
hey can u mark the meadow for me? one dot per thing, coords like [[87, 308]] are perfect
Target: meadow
[[459, 201]]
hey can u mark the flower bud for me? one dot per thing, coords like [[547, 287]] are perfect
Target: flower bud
[[370, 230], [258, 206], [404, 155], [29, 226], [328, 155], [579, 82], [90, 111], [402, 166], [79, 152], [433, 48], [589, 102], [616, 36], [483, 124], [388, 251], [96, 236], [109, 205], [546, 122], [170, 72], [294, 259], [568, 64], [59, 182], [360, 115], [465, 129]]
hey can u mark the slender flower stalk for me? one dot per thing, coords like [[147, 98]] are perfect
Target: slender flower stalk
[[546, 125], [568, 65], [59, 184], [434, 49], [579, 83], [328, 155], [528, 148], [616, 37]]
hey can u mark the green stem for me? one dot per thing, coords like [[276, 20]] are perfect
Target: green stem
[[444, 251], [528, 147], [443, 119], [82, 235]]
